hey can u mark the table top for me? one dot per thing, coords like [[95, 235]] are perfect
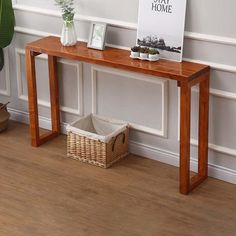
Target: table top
[[120, 59]]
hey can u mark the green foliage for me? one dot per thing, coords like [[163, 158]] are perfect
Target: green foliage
[[153, 51], [7, 23], [1, 59], [144, 50], [67, 8]]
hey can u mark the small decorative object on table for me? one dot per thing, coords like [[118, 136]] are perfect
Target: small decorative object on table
[[97, 141], [4, 117], [68, 35], [97, 36], [153, 54], [135, 51], [144, 53]]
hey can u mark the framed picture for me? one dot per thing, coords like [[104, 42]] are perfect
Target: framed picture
[[97, 35], [161, 26]]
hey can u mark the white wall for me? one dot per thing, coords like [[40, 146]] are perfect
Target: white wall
[[151, 105]]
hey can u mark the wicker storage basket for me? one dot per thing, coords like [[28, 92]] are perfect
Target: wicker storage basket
[[98, 141], [4, 117]]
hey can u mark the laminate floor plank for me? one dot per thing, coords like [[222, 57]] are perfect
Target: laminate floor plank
[[42, 192]]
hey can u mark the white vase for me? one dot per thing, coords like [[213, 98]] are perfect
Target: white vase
[[68, 34]]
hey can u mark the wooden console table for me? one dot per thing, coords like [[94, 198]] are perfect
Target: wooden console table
[[186, 74]]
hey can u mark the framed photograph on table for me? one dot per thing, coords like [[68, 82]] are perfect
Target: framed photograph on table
[[161, 26], [97, 36]]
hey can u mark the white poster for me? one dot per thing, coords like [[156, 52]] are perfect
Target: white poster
[[161, 26]]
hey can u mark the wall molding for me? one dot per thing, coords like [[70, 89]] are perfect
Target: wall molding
[[217, 148], [151, 152], [210, 38], [19, 52], [84, 18], [150, 79], [6, 71], [38, 33], [214, 147], [219, 93], [215, 66], [126, 25], [23, 117]]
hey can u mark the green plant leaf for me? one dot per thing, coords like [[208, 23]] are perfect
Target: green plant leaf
[[1, 59], [7, 23]]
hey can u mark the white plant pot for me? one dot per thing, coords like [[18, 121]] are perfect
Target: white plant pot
[[134, 54], [153, 56], [143, 55]]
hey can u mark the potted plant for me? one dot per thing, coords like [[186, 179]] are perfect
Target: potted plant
[[135, 51], [144, 53], [7, 23], [153, 54], [68, 35]]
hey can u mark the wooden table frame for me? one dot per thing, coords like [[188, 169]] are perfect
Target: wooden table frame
[[186, 74]]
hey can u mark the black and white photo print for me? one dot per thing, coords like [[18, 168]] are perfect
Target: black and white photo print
[[161, 26]]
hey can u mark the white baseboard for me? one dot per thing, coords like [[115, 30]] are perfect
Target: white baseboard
[[171, 158], [151, 152], [23, 117]]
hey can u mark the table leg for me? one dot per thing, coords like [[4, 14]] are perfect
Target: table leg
[[185, 110], [32, 97], [36, 139], [187, 184], [54, 94], [203, 126]]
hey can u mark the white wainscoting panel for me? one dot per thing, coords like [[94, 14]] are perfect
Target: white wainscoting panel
[[150, 79], [24, 97], [6, 73]]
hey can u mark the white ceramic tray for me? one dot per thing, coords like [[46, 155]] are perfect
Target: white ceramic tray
[[144, 59]]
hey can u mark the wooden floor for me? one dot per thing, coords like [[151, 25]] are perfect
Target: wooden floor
[[43, 193]]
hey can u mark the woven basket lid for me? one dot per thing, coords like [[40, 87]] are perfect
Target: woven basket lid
[[4, 116]]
